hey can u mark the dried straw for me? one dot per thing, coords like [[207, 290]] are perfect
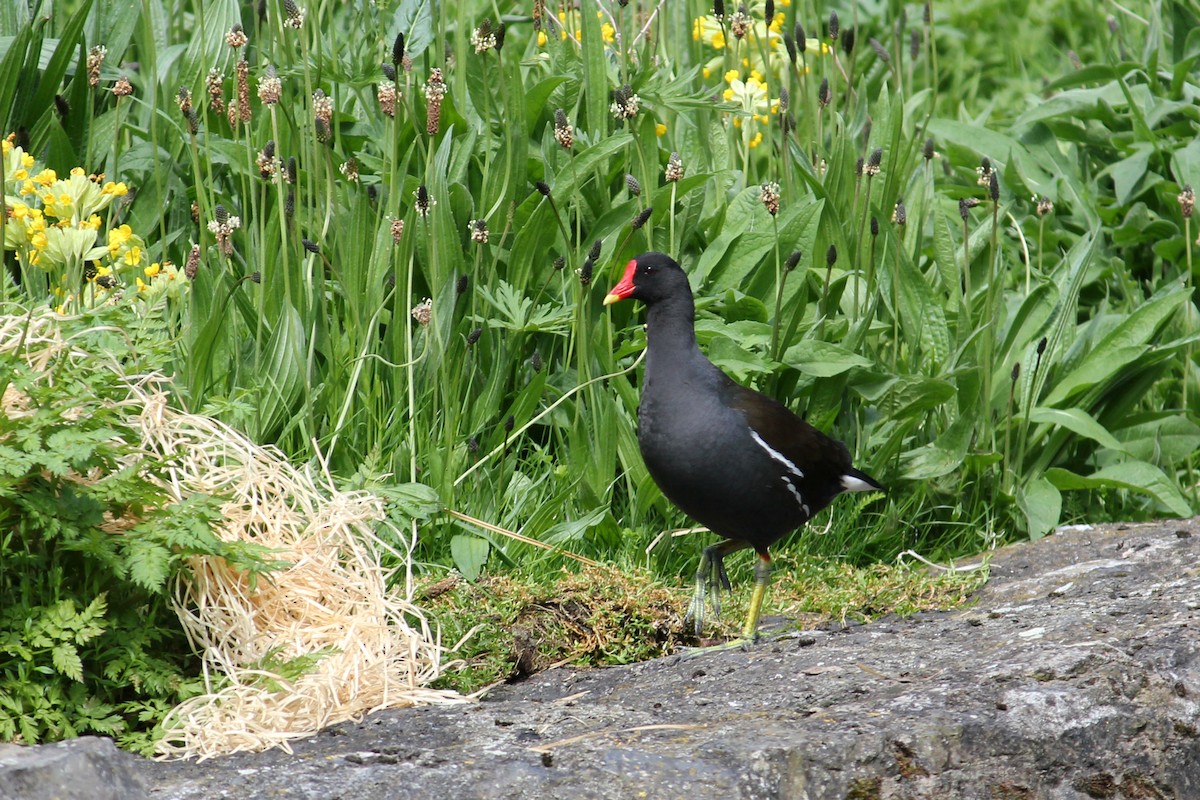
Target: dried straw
[[370, 647]]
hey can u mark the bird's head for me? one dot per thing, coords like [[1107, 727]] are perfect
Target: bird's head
[[650, 277]]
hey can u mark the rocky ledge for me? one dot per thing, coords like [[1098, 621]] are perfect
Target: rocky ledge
[[1074, 674]]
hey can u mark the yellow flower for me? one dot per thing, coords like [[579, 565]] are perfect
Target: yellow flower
[[77, 172], [46, 177], [141, 285], [708, 29], [39, 241], [732, 75], [21, 175], [608, 33], [94, 222], [133, 256], [152, 270], [6, 146], [19, 210], [27, 161], [27, 187], [660, 129], [115, 189], [706, 72], [541, 39], [757, 140], [117, 237]]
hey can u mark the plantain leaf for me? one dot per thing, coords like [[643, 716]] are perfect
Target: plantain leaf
[[1124, 344], [1041, 503], [470, 553], [822, 359], [1078, 421], [413, 18], [1136, 476]]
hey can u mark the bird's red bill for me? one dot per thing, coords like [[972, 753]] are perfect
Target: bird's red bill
[[625, 287]]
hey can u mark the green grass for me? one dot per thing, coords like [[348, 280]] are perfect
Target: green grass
[[1002, 370], [514, 625]]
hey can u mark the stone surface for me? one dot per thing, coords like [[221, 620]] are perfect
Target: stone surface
[[88, 767], [1074, 675]]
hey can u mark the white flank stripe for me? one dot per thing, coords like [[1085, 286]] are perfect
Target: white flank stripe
[[778, 456], [853, 484], [795, 492]]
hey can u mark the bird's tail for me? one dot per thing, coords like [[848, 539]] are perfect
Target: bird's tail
[[857, 481]]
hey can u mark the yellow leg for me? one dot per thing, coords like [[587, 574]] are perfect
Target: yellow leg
[[762, 576]]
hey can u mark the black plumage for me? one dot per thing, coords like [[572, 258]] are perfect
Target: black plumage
[[733, 459]]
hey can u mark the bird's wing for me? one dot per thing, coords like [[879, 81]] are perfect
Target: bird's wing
[[786, 434]]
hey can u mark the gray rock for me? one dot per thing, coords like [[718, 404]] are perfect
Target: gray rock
[[1074, 675], [88, 767]]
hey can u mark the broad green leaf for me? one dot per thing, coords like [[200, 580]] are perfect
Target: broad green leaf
[[64, 56], [1078, 421], [1041, 503], [414, 500], [1124, 344], [574, 529], [752, 253], [1170, 439], [732, 357], [742, 210], [945, 256], [1185, 164], [10, 70], [981, 140], [823, 359], [413, 18], [470, 553], [921, 315], [537, 96], [596, 90], [206, 46], [1136, 476], [914, 394], [943, 456], [1128, 172]]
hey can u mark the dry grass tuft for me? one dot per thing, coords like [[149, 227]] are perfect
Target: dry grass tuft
[[320, 641]]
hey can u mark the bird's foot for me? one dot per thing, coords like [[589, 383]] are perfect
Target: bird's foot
[[695, 617], [740, 643]]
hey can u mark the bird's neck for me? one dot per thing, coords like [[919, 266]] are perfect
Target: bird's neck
[[670, 327]]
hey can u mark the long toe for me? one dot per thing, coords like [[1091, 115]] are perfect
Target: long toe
[[695, 614]]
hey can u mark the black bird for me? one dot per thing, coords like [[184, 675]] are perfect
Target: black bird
[[733, 459]]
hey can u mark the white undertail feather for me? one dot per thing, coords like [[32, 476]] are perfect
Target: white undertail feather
[[853, 484]]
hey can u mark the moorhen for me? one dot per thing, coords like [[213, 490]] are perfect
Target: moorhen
[[733, 459]]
